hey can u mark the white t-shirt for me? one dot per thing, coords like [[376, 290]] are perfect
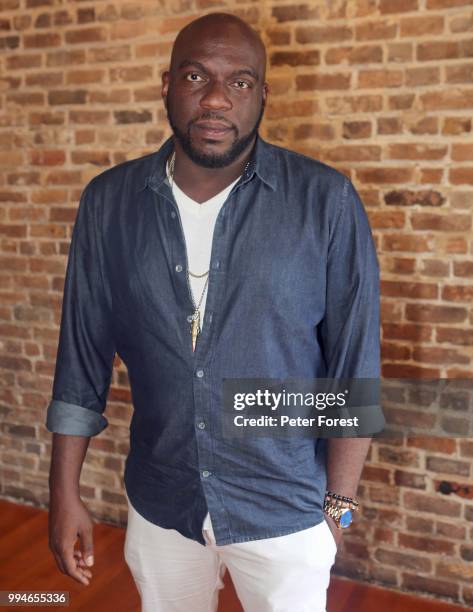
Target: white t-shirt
[[198, 222]]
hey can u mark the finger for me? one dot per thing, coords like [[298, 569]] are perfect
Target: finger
[[86, 537], [71, 568]]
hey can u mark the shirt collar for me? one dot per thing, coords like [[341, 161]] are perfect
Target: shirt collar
[[262, 162]]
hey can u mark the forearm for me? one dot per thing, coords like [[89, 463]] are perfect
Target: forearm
[[345, 460], [67, 457]]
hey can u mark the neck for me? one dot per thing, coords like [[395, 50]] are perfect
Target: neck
[[201, 183]]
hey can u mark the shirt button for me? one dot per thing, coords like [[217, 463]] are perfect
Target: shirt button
[[216, 265], [178, 268], [190, 318], [200, 373], [201, 425], [206, 473], [173, 214]]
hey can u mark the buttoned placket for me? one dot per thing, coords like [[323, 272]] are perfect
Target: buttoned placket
[[201, 359]]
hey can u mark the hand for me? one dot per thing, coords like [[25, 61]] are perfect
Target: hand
[[69, 520], [336, 532]]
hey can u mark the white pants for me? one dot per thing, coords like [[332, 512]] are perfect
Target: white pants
[[173, 573]]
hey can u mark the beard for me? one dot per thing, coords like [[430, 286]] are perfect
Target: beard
[[214, 160]]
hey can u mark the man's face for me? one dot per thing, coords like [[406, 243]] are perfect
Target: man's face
[[215, 83]]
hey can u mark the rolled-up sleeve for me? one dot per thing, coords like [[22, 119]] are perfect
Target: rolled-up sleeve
[[86, 346], [350, 328]]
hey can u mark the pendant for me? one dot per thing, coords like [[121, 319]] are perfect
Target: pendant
[[195, 327]]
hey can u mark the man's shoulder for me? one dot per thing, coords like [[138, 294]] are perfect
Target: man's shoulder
[[305, 166], [131, 174]]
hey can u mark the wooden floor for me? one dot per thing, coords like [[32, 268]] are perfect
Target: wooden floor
[[27, 564]]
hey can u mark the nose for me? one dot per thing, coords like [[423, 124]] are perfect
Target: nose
[[215, 97]]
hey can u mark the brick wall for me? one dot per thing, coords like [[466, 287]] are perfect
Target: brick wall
[[381, 89]]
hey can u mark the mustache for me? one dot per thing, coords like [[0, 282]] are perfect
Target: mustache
[[213, 118]]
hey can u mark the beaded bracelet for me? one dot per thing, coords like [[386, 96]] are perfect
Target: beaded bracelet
[[330, 496]]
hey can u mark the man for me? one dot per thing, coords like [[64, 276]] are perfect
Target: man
[[219, 256]]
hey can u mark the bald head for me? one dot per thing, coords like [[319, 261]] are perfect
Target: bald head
[[219, 27], [216, 75]]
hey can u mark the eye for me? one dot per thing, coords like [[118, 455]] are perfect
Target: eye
[[193, 74], [244, 83]]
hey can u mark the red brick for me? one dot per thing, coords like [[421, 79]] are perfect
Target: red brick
[[396, 370], [295, 12], [462, 152], [447, 466], [422, 525], [431, 175], [398, 456], [356, 129], [424, 544], [308, 82], [401, 102], [448, 99], [432, 313], [376, 30], [353, 153], [321, 131], [435, 267], [411, 480], [389, 125], [438, 356], [419, 26], [86, 35], [417, 151], [380, 78], [364, 54], [277, 37], [426, 75], [329, 34], [458, 293], [400, 265], [398, 352], [440, 223], [384, 175], [291, 108], [438, 50], [295, 58], [454, 126], [40, 157], [397, 6], [415, 582], [400, 52], [46, 39], [431, 504], [441, 4], [411, 290], [354, 104], [459, 74], [389, 219], [97, 158], [462, 337], [376, 474], [450, 531], [461, 176], [406, 243]]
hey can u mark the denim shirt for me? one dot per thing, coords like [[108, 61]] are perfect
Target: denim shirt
[[293, 292]]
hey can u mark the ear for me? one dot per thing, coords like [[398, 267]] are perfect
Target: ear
[[265, 91], [165, 86]]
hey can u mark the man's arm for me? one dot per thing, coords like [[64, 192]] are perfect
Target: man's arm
[[350, 330], [68, 517], [82, 378]]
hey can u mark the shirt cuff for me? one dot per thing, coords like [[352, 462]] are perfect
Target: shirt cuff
[[74, 420]]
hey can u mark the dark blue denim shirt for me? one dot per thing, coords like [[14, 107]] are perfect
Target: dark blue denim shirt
[[293, 292]]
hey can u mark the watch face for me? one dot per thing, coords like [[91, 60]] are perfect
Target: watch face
[[346, 519]]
